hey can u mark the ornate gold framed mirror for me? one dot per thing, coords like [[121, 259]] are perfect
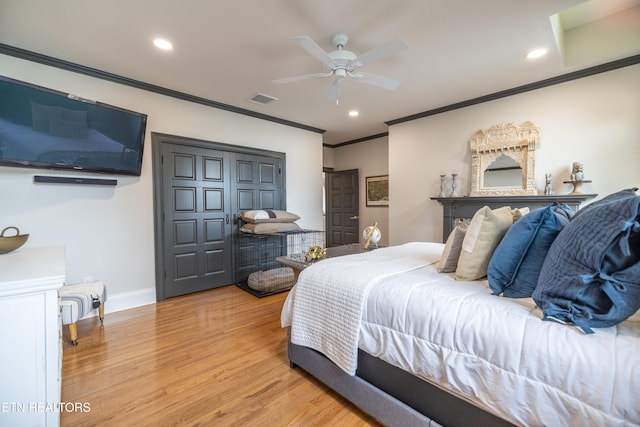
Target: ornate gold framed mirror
[[503, 160]]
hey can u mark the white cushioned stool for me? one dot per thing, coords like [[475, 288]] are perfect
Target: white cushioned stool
[[77, 301]]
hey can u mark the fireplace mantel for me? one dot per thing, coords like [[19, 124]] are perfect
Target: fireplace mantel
[[458, 209]]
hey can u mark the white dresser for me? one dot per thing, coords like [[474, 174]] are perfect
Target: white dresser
[[30, 333]]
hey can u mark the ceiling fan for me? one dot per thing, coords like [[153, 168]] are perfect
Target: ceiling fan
[[342, 63]]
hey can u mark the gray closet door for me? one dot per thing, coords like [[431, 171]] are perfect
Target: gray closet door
[[200, 187], [197, 219], [257, 184]]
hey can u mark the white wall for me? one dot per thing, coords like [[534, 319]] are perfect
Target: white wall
[[594, 120], [109, 232], [370, 158], [328, 158]]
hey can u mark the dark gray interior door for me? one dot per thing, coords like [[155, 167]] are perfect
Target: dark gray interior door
[[200, 187], [342, 206], [257, 184], [196, 219]]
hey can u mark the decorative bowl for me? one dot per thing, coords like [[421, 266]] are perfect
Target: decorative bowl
[[11, 243]]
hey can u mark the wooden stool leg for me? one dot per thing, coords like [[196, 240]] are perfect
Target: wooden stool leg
[[101, 312], [73, 332]]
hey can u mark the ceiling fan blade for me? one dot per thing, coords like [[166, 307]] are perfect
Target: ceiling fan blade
[[393, 46], [312, 47], [299, 78], [373, 79], [334, 92]]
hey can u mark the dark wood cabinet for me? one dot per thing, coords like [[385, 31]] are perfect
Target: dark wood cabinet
[[458, 209]]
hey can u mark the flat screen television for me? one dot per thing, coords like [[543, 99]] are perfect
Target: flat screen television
[[46, 129]]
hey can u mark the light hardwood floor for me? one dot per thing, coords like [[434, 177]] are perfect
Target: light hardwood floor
[[215, 358]]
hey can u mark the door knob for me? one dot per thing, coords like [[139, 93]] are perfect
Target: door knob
[[355, 217]]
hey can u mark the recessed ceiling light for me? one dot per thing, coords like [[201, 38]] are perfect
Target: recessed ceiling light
[[163, 44], [353, 113], [536, 53]]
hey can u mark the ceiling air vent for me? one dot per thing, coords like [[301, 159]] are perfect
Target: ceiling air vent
[[261, 98]]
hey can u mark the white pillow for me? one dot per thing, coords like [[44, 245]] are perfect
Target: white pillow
[[486, 229], [451, 253], [269, 227], [267, 215]]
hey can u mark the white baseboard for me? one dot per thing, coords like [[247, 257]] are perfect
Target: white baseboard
[[129, 300], [125, 301]]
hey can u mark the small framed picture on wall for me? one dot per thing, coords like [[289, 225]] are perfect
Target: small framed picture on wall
[[377, 190]]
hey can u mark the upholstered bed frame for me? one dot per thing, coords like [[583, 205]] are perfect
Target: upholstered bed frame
[[391, 395], [597, 250]]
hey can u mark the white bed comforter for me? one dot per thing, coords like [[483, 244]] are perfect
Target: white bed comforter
[[495, 352], [330, 296]]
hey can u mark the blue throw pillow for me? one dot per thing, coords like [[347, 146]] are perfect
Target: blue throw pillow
[[591, 276], [622, 194], [515, 265]]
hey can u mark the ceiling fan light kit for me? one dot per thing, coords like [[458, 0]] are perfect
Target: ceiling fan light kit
[[343, 63]]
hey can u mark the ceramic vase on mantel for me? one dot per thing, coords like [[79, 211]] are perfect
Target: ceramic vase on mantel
[[454, 185], [443, 184]]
